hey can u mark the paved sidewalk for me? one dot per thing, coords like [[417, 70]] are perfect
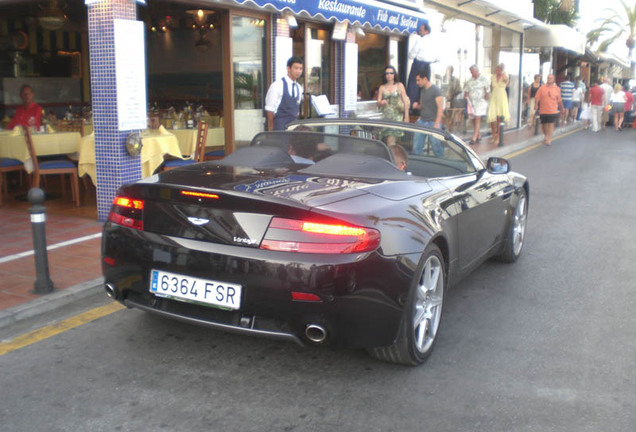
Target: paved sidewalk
[[75, 268]]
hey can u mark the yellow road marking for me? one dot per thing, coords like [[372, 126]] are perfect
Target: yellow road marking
[[54, 329], [534, 146]]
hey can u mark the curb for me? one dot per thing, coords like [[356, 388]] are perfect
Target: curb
[[512, 148], [50, 302]]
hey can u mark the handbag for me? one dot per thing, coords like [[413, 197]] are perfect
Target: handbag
[[469, 107]]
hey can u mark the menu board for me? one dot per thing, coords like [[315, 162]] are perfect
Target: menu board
[[130, 73], [351, 77], [284, 51]]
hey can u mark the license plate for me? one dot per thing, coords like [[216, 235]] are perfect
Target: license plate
[[192, 289]]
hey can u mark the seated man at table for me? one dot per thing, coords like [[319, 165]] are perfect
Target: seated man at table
[[29, 113]]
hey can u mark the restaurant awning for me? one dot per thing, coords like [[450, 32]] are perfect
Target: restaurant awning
[[615, 59], [556, 36], [373, 13], [513, 15]]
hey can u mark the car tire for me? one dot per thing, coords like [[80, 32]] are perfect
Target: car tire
[[517, 230], [422, 314]]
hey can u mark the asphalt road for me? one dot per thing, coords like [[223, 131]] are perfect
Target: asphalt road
[[546, 344]]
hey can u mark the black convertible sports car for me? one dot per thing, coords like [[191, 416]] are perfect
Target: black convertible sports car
[[313, 235]]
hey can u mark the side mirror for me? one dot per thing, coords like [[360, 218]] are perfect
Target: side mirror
[[497, 165]]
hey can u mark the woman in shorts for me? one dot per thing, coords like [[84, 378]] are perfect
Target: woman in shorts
[[548, 102], [617, 100]]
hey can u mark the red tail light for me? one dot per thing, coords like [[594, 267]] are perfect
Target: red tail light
[[290, 235], [127, 212]]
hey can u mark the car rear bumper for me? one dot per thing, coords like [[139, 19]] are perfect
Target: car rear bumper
[[361, 296]]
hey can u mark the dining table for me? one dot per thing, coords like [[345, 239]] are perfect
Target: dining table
[[188, 139], [156, 144], [86, 160], [13, 145]]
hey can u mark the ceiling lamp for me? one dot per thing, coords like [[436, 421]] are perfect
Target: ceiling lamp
[[291, 20], [51, 17], [200, 16]]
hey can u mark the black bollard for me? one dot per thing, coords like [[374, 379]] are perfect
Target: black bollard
[[502, 125], [43, 283], [536, 125]]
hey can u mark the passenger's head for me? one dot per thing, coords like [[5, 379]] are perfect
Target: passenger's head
[[617, 87], [303, 145], [399, 156], [389, 72], [474, 71], [550, 79], [537, 78]]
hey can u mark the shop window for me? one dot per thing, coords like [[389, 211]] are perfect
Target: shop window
[[248, 59]]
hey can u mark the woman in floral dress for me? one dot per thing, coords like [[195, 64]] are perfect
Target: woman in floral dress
[[393, 102]]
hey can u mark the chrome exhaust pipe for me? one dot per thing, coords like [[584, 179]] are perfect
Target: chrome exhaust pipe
[[111, 291], [315, 333]]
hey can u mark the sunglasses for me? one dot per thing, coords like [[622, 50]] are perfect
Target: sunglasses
[[389, 73]]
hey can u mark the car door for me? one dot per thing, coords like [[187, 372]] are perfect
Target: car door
[[479, 212]]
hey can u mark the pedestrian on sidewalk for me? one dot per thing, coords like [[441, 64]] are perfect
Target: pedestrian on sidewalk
[[586, 111], [498, 107], [617, 100], [532, 92], [423, 52], [476, 92], [567, 93], [548, 102], [597, 101], [579, 83], [629, 104], [578, 97], [606, 86], [431, 112], [393, 102]]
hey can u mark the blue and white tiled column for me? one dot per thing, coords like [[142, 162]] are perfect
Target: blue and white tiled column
[[114, 166]]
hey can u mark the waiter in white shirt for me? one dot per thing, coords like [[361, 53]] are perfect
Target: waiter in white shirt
[[282, 102], [423, 52]]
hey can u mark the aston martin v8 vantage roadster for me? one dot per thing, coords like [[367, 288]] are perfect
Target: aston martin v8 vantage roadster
[[314, 235]]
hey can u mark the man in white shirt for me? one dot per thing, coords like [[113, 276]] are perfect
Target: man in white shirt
[[282, 102], [608, 89], [423, 52]]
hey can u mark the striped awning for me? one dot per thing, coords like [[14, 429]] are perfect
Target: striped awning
[[373, 13]]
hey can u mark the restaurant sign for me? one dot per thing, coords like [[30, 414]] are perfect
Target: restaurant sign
[[371, 12], [92, 2]]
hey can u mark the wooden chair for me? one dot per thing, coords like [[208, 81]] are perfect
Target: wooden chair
[[199, 152], [53, 167], [8, 165]]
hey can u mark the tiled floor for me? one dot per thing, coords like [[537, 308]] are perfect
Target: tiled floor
[[68, 265]]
